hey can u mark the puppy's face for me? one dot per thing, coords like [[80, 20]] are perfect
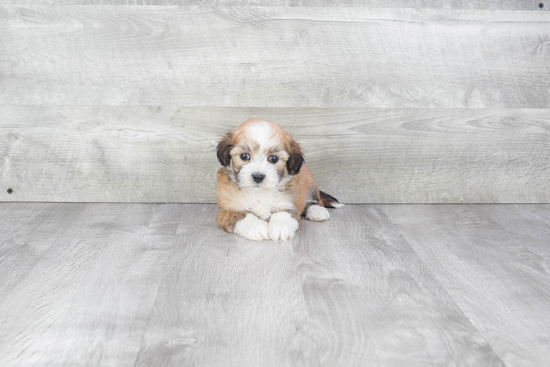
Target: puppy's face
[[259, 154]]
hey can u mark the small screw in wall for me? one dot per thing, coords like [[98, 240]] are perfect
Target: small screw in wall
[[541, 5], [10, 190]]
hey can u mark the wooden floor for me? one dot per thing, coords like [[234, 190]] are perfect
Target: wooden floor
[[377, 285]]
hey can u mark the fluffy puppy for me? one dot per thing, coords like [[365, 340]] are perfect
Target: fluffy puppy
[[264, 187]]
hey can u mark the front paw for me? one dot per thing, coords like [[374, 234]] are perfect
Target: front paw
[[282, 226], [252, 227], [317, 213]]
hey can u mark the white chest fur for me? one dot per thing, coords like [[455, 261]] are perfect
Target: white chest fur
[[261, 202]]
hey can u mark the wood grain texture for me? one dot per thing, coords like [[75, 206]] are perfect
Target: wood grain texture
[[274, 56], [422, 4], [260, 304], [494, 262], [372, 302], [86, 302], [148, 285], [225, 301], [167, 154], [27, 232]]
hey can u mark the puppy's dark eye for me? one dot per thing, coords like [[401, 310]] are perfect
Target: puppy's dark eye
[[273, 159], [245, 156]]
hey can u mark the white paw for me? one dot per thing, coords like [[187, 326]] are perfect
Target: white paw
[[252, 227], [282, 226], [317, 213]]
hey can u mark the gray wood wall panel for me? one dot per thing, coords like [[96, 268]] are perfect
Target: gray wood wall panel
[[274, 56], [126, 103], [437, 4], [167, 154]]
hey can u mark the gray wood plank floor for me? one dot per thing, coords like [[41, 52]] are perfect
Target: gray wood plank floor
[[380, 285]]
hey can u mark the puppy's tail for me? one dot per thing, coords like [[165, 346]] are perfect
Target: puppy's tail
[[329, 201]]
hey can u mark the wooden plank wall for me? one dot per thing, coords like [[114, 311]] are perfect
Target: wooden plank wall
[[420, 102]]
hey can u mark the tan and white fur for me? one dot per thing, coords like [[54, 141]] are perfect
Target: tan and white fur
[[263, 187]]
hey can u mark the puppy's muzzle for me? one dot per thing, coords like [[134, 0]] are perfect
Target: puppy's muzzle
[[258, 177]]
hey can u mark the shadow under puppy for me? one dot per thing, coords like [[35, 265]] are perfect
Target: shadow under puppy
[[263, 187]]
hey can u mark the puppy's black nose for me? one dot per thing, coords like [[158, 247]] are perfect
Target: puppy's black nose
[[258, 177]]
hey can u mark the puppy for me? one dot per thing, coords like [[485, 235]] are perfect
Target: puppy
[[263, 187]]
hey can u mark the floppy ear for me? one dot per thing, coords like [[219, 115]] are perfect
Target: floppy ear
[[295, 159], [224, 147]]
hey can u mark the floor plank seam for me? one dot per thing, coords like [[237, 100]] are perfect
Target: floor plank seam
[[40, 257], [165, 268], [377, 284], [436, 279]]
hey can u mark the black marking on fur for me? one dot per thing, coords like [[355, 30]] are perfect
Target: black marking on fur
[[224, 147], [295, 160], [311, 199], [328, 200]]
